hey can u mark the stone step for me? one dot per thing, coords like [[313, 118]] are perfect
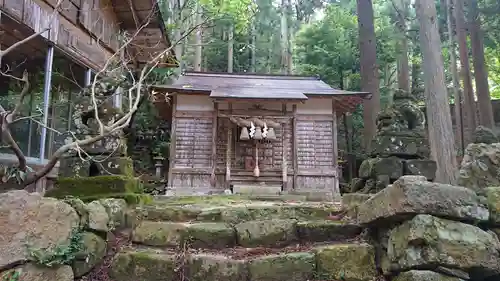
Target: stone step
[[352, 261], [261, 233], [261, 189], [233, 211]]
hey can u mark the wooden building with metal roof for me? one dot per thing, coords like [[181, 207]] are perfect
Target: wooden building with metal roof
[[244, 130], [85, 34]]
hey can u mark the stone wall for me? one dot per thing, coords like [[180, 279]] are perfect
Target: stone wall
[[431, 231], [413, 230], [45, 239]]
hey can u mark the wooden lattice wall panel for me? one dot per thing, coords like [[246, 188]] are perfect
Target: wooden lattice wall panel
[[222, 127], [314, 144], [193, 142]]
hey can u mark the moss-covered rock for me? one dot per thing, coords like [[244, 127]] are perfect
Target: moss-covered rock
[[81, 210], [325, 230], [159, 233], [143, 265], [74, 167], [235, 215], [211, 235], [210, 215], [27, 219], [420, 167], [424, 275], [493, 199], [411, 195], [351, 200], [314, 195], [116, 209], [32, 272], [94, 250], [91, 187], [98, 217], [269, 233], [427, 241], [353, 262], [202, 267], [285, 267], [390, 166], [131, 218], [168, 213], [479, 167]]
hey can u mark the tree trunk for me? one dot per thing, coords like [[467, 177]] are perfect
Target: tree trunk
[[403, 65], [415, 74], [469, 102], [198, 44], [480, 68], [230, 49], [178, 18], [438, 109], [253, 59], [289, 37], [284, 37], [459, 136], [369, 69]]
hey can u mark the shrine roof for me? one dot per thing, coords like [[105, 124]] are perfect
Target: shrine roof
[[261, 86], [235, 86]]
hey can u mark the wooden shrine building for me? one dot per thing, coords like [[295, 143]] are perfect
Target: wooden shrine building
[[231, 130]]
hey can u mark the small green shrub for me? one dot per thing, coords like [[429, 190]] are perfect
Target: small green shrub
[[62, 254], [14, 275]]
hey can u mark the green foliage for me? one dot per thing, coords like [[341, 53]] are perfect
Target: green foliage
[[237, 11], [329, 47], [13, 173], [14, 275], [61, 254]]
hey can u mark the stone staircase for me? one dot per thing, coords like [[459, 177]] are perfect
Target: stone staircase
[[225, 238]]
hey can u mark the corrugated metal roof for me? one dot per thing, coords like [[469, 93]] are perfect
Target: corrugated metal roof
[[254, 86]]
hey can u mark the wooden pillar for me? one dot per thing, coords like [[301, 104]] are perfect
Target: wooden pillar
[[173, 141], [228, 148], [284, 147], [295, 151], [214, 144], [336, 189]]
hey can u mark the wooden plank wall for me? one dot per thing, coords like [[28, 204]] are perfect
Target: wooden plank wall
[[314, 152], [191, 167], [75, 30], [192, 164]]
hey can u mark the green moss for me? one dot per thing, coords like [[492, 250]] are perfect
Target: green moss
[[168, 213], [493, 199], [92, 186], [211, 235], [136, 265], [159, 233], [130, 198], [269, 233], [204, 267], [346, 262], [208, 200], [125, 166], [285, 267]]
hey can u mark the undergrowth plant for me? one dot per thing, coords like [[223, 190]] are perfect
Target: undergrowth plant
[[14, 275], [62, 254]]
